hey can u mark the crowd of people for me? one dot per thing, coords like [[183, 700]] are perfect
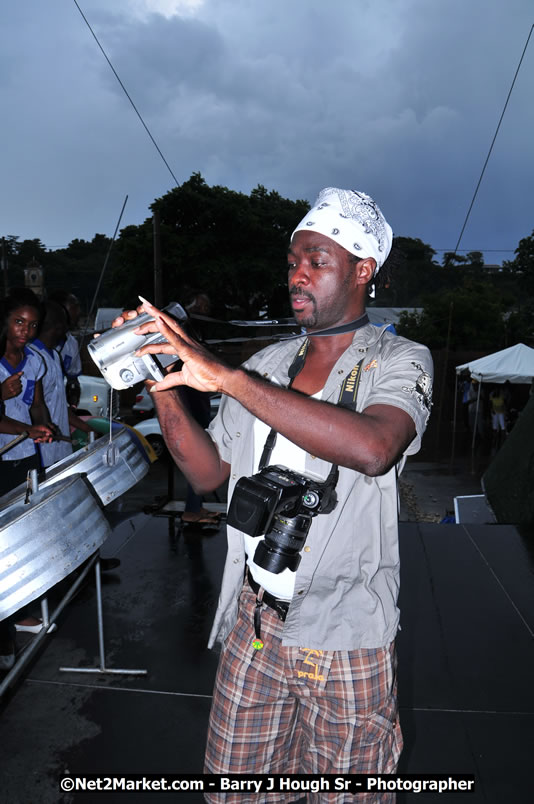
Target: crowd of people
[[490, 410]]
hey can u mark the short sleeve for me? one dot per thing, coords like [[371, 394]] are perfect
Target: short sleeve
[[39, 366], [405, 380], [222, 428], [70, 357]]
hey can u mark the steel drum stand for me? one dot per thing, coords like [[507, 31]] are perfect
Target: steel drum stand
[[100, 620], [33, 646]]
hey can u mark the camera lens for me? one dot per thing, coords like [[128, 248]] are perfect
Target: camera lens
[[282, 545], [126, 375]]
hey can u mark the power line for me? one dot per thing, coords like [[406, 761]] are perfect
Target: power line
[[494, 138], [127, 94], [484, 250]]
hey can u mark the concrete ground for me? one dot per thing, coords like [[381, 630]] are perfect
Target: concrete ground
[[465, 655], [428, 489]]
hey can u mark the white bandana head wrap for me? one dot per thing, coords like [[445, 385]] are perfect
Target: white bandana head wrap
[[351, 219]]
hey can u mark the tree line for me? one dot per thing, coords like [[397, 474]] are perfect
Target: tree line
[[232, 246]]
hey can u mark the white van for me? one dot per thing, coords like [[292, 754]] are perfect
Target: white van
[[96, 396]]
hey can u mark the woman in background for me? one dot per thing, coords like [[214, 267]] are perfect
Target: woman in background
[[21, 370], [23, 411]]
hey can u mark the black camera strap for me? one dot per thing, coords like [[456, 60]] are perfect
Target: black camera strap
[[347, 399], [350, 326], [295, 367], [347, 395]]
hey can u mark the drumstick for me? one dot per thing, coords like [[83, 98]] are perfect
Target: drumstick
[[14, 442]]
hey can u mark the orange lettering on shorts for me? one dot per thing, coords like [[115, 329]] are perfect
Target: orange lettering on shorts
[[311, 652], [312, 676], [315, 676]]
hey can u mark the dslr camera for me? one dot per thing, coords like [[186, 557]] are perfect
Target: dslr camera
[[280, 504], [113, 351]]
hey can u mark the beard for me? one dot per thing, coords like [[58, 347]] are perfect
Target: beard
[[311, 318], [332, 309], [315, 318]]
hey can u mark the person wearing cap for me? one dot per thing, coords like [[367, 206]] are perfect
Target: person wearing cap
[[306, 681]]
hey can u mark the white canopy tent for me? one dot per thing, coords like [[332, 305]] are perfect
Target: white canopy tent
[[515, 365]]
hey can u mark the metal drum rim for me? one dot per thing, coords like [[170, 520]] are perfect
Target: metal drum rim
[[82, 453], [52, 489]]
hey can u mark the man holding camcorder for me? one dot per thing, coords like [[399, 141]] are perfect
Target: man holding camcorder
[[311, 434]]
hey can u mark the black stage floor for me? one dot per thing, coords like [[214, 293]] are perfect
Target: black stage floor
[[465, 654]]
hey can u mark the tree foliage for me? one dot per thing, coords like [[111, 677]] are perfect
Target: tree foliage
[[522, 267], [487, 308], [470, 317], [232, 246], [412, 274], [228, 244], [76, 268]]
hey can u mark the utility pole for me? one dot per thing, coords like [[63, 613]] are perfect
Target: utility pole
[[444, 381], [158, 278], [4, 268]]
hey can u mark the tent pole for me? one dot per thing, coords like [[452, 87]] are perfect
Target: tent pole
[[475, 428], [454, 423]]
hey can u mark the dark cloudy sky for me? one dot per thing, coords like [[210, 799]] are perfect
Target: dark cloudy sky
[[399, 98]]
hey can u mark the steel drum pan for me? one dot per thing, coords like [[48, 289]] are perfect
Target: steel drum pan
[[44, 540], [111, 469]]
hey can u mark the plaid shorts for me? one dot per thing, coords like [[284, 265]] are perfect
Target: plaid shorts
[[297, 710]]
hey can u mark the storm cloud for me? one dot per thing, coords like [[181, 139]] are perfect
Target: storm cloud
[[400, 99]]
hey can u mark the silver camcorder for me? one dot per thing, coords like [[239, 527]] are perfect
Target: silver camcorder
[[113, 352]]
